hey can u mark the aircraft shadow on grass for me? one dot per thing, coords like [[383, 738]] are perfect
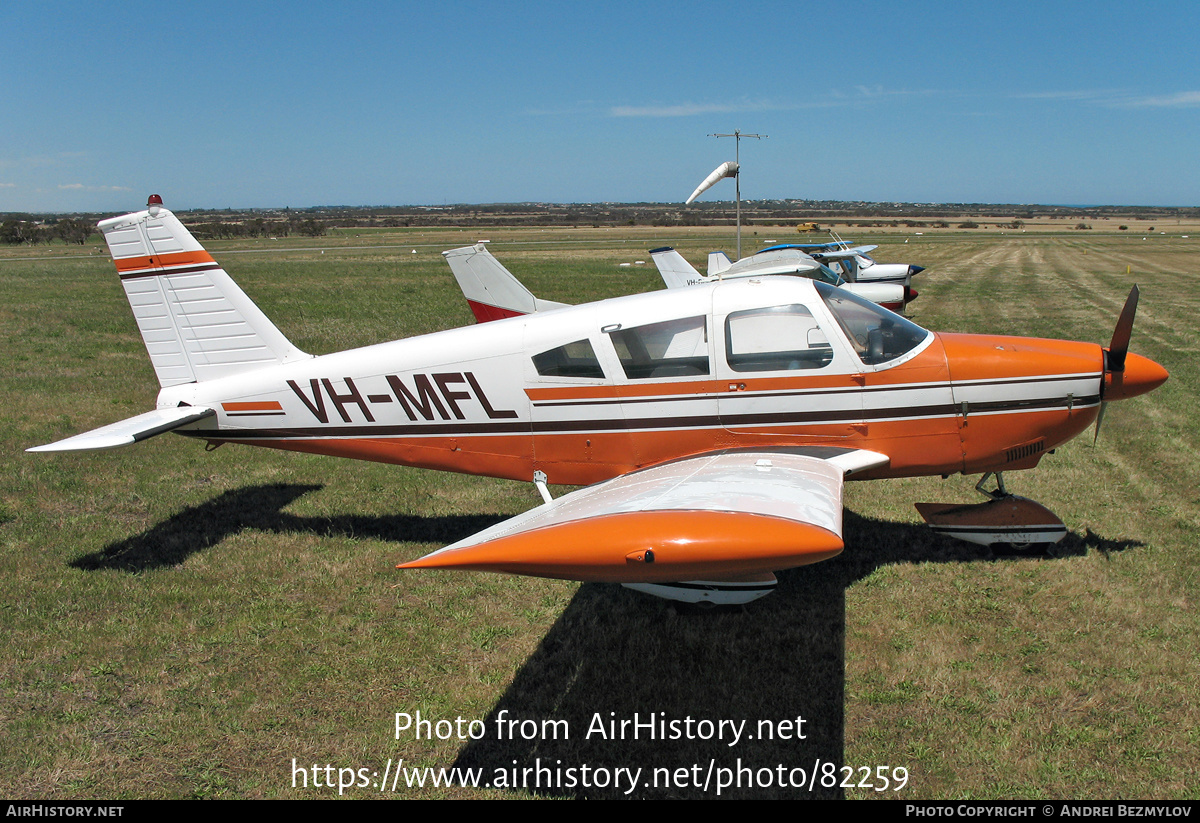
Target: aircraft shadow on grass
[[615, 655], [201, 527]]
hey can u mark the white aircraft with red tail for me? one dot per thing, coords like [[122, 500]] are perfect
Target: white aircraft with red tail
[[712, 426]]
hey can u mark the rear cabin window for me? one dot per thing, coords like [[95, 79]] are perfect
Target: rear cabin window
[[674, 348], [576, 359], [780, 338]]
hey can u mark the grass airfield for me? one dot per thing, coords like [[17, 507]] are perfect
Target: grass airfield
[[182, 623]]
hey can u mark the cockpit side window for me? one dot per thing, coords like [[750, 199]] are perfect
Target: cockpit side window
[[576, 359], [876, 334], [672, 348], [777, 338]]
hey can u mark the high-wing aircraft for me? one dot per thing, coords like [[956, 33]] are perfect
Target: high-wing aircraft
[[854, 263], [712, 427], [776, 260]]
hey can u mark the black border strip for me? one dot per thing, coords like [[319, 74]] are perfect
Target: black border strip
[[137, 274]]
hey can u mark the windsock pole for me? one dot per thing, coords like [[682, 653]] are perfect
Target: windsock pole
[[737, 136]]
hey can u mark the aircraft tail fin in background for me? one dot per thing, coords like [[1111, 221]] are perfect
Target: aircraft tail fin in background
[[491, 290], [675, 270], [718, 261], [196, 323]]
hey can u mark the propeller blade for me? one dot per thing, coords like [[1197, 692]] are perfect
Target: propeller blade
[[1119, 346], [1099, 420], [1117, 349]]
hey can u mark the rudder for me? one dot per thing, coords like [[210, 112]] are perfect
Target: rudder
[[197, 323]]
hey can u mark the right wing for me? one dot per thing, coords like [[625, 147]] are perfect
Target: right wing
[[714, 516]]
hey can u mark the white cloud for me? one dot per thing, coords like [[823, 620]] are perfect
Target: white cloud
[[1080, 94], [1117, 99], [687, 109], [81, 187], [1181, 99], [836, 98]]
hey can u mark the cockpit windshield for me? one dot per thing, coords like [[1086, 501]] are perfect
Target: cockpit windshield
[[876, 334], [827, 275]]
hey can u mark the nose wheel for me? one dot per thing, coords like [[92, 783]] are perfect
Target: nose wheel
[[1004, 519]]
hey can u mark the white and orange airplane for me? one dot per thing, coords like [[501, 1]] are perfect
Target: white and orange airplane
[[712, 426]]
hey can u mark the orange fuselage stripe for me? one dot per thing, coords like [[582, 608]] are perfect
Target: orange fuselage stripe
[[266, 405]]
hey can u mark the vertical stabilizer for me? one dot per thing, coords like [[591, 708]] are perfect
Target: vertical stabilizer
[[195, 321], [718, 261], [675, 271], [492, 292]]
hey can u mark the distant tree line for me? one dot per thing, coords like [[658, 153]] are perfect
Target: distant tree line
[[257, 227], [317, 221], [16, 231]]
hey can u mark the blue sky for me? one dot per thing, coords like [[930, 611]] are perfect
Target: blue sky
[[249, 104]]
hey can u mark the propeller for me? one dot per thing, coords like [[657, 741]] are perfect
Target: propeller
[[1114, 356]]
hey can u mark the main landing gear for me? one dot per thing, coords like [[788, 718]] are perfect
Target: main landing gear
[[1004, 519]]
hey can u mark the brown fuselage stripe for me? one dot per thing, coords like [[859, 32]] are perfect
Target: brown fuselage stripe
[[662, 423]]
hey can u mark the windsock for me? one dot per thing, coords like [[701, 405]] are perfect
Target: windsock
[[726, 169]]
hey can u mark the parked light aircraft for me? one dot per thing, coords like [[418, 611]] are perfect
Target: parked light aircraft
[[854, 263], [493, 293], [777, 260], [715, 424], [851, 263]]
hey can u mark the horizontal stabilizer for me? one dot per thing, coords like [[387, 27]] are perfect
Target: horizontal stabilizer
[[706, 517], [129, 431]]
